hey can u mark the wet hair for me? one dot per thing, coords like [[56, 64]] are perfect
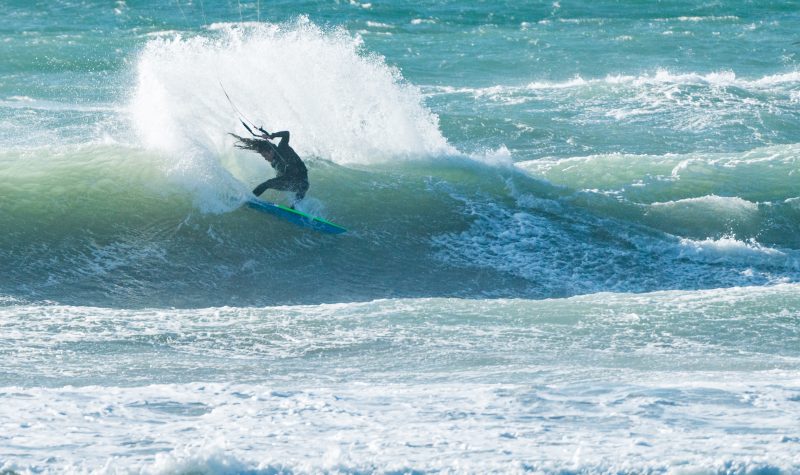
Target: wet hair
[[257, 145], [265, 145]]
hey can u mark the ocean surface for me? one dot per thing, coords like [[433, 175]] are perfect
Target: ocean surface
[[573, 247]]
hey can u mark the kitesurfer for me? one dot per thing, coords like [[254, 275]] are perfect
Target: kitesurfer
[[290, 171]]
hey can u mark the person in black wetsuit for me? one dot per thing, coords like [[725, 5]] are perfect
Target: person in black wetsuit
[[290, 171]]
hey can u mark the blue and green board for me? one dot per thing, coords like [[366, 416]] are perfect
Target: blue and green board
[[296, 217]]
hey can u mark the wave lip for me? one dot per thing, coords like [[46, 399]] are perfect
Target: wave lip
[[339, 102]]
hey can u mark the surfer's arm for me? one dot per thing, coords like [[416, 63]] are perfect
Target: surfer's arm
[[284, 136]]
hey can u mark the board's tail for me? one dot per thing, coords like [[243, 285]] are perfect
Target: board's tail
[[296, 217]]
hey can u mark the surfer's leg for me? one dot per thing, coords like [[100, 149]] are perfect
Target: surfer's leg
[[274, 183], [300, 187], [300, 190], [263, 187]]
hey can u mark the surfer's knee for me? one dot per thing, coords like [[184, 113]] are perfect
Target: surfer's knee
[[261, 188]]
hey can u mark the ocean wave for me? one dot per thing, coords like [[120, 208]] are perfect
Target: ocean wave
[[377, 24], [115, 222], [698, 196], [660, 77], [568, 253], [282, 332], [757, 111], [719, 203], [759, 175], [687, 103], [25, 102], [729, 249], [697, 19]]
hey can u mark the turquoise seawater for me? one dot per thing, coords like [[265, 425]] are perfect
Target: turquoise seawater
[[573, 247]]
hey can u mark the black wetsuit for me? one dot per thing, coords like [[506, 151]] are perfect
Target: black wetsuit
[[291, 172]]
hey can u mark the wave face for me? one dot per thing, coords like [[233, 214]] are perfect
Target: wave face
[[111, 225]]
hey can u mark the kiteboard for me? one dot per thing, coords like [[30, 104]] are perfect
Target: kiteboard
[[295, 217]]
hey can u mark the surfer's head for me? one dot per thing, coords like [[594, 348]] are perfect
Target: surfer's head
[[266, 149]]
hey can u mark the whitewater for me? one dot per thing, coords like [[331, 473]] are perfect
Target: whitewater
[[572, 238]]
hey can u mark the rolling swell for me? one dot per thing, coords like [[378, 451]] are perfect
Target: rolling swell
[[105, 225]]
